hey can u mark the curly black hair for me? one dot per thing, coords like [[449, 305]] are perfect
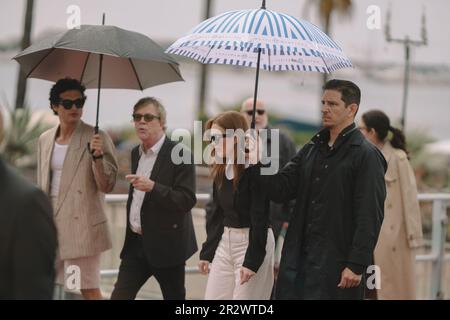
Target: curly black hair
[[63, 85]]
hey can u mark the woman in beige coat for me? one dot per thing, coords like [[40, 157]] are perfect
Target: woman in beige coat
[[76, 179], [401, 231]]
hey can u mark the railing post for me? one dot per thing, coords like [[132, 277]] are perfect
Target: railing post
[[439, 233]]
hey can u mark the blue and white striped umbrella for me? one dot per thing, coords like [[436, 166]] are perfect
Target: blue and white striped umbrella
[[262, 39], [286, 43]]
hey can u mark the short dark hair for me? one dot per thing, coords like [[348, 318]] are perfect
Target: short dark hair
[[63, 85], [350, 92]]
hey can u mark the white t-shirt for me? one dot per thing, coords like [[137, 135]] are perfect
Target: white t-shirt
[[58, 156]]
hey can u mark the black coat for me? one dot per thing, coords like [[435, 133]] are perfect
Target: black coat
[[281, 212], [278, 212], [252, 206], [166, 220], [344, 220], [27, 239]]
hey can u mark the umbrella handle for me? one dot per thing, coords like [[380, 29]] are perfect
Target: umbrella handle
[[89, 144]]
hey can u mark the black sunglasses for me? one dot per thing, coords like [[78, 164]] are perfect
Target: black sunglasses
[[148, 117], [258, 111], [215, 138], [67, 103]]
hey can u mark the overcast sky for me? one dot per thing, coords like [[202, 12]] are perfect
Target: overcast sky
[[169, 19]]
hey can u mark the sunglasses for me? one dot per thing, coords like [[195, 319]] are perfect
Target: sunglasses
[[148, 117], [215, 138], [258, 111], [67, 103]]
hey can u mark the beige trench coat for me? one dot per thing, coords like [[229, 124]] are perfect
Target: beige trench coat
[[80, 208], [401, 230]]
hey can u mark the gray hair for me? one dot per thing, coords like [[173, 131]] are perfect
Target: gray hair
[[158, 105]]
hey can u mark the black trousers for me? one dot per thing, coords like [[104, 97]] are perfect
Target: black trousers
[[135, 270]]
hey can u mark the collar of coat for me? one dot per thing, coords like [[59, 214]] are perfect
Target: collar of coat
[[351, 132]]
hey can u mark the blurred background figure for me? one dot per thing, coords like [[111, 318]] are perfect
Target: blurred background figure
[[77, 178], [279, 212], [401, 231], [28, 238]]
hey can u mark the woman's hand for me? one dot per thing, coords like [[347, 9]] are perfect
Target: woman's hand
[[246, 274], [203, 266], [253, 146]]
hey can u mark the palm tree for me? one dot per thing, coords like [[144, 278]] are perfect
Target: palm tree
[[203, 73], [22, 81], [326, 9], [18, 144]]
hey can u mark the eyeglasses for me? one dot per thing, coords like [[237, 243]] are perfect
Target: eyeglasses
[[148, 117], [67, 103], [258, 111], [215, 138]]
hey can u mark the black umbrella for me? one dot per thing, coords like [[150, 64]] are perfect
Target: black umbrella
[[100, 57]]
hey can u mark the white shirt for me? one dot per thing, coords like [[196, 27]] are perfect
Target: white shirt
[[56, 165], [145, 167]]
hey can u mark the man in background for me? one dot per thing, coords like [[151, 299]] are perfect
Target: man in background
[[27, 238]]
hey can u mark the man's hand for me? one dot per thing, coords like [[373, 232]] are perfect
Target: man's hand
[[349, 279], [96, 145], [203, 266], [140, 183], [246, 274]]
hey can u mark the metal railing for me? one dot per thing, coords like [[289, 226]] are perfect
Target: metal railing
[[122, 198], [437, 256]]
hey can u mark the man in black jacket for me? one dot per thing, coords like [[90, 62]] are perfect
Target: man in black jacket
[[27, 239], [337, 180], [160, 233]]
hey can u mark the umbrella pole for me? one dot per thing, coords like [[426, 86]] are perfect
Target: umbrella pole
[[98, 92], [98, 100], [256, 89], [99, 84]]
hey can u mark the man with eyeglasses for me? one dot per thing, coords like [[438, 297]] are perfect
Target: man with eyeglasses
[[76, 179], [160, 233]]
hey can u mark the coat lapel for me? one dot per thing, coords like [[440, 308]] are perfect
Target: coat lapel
[[47, 151], [160, 159], [76, 150], [387, 151]]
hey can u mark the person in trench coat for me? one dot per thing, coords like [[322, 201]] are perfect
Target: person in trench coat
[[337, 180], [401, 232]]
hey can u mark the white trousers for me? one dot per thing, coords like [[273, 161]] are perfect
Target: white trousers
[[224, 275]]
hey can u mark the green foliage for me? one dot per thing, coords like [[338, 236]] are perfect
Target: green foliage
[[20, 137]]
